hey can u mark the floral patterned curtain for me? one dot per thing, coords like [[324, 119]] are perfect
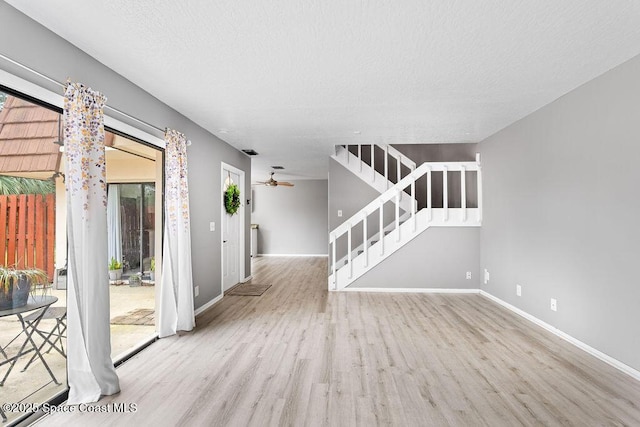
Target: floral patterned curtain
[[91, 373], [176, 311]]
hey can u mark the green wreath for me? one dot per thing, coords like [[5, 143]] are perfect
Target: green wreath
[[232, 199]]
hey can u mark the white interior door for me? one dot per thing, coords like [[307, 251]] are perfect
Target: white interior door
[[230, 239]]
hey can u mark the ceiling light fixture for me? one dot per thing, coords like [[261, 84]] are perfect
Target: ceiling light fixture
[[250, 152]]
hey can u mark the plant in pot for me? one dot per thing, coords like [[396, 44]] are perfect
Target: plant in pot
[[115, 269], [15, 285], [152, 273]]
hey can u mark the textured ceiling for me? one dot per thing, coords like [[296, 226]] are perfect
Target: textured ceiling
[[295, 77]]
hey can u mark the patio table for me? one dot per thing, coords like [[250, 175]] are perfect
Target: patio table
[[28, 328]]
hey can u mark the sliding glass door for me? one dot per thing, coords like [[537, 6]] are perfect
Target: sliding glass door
[[137, 222]]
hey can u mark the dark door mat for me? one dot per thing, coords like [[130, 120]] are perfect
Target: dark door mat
[[140, 316], [248, 289]]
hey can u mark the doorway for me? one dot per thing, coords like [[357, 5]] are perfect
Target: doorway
[[232, 232], [135, 205]]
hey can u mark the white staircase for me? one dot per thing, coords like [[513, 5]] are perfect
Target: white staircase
[[349, 260], [363, 165]]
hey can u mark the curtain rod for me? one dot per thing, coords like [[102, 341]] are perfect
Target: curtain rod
[[62, 85]]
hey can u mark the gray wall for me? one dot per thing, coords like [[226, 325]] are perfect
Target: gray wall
[[560, 213], [40, 49], [439, 257], [292, 220]]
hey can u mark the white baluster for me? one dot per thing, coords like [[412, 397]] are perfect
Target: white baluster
[[479, 183], [349, 250], [333, 255], [386, 164], [429, 204], [445, 194], [364, 241], [360, 156], [413, 203], [373, 162], [398, 215], [463, 192], [381, 235], [399, 171]]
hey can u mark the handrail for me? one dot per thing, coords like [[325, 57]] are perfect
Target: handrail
[[398, 155], [398, 188], [388, 151]]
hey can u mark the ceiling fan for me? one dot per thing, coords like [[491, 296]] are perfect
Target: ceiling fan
[[273, 183]]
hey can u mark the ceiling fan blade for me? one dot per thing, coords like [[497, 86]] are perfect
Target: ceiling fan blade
[[261, 182], [286, 184]]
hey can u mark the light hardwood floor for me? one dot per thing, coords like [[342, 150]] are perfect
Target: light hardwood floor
[[299, 355]]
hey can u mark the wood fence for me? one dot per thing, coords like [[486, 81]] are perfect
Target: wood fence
[[27, 231]]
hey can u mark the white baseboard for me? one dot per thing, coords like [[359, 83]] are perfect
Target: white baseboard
[[246, 279], [208, 305], [585, 347], [295, 255], [413, 290]]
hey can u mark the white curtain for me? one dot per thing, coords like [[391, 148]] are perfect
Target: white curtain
[[90, 369], [176, 289], [114, 230]]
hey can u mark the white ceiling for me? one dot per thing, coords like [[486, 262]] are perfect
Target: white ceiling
[[293, 78]]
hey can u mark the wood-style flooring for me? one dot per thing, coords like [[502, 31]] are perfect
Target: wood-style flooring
[[301, 356]]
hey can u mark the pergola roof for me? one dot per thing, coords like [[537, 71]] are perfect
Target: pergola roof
[[27, 135]]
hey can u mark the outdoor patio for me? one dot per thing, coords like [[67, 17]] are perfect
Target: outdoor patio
[[129, 305]]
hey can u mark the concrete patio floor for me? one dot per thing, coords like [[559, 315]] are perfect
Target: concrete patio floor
[[35, 385]]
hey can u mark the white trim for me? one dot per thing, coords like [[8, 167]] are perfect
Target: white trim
[[296, 255], [136, 348], [18, 84], [246, 279], [585, 347], [133, 131], [208, 305], [413, 290], [241, 252]]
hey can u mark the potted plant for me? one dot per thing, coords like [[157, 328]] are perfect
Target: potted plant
[[135, 280], [152, 273], [115, 269], [15, 285]]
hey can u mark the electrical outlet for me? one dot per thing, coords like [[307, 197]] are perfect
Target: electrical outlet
[[212, 226], [554, 304], [486, 276], [519, 290], [468, 275], [197, 290], [339, 212]]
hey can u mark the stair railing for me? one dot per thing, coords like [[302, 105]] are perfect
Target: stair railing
[[395, 193], [389, 151]]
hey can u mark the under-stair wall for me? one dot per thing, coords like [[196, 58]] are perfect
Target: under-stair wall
[[439, 258]]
